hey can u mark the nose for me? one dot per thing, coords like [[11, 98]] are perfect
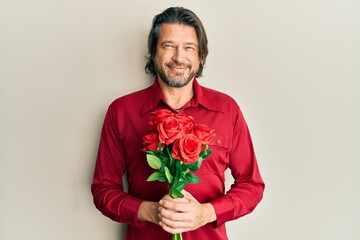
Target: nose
[[179, 55]]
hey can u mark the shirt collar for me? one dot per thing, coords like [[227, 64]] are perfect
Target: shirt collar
[[153, 99], [202, 96]]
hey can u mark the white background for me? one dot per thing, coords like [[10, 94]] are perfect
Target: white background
[[293, 67]]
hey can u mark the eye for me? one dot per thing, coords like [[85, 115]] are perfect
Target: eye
[[168, 46], [189, 48]]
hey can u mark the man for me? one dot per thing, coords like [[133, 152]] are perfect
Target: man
[[177, 47]]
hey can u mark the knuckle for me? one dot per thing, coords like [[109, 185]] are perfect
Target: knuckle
[[161, 211]]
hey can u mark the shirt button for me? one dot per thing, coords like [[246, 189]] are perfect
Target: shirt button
[[218, 141]]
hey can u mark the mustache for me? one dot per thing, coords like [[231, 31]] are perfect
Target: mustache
[[177, 64]]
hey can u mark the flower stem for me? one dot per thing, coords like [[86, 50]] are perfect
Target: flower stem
[[177, 236]]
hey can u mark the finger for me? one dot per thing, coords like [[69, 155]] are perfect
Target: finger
[[188, 195], [173, 200], [173, 230], [177, 206], [176, 223], [171, 215], [166, 197]]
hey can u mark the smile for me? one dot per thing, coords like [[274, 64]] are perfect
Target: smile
[[178, 67]]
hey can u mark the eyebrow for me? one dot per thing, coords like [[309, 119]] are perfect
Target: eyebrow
[[172, 42], [164, 42]]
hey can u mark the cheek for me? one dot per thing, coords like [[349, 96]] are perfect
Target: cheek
[[163, 56], [195, 60], [157, 61]]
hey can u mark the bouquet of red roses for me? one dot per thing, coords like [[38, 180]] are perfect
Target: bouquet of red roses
[[176, 146]]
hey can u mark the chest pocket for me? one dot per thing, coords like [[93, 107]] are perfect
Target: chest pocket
[[221, 142], [218, 160]]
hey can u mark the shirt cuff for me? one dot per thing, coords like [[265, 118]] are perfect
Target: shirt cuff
[[129, 211], [223, 210]]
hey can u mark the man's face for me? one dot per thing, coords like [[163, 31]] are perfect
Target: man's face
[[177, 54]]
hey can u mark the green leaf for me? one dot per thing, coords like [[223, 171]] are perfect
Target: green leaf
[[168, 175], [180, 185], [184, 167], [204, 154], [178, 164], [191, 178], [207, 153], [169, 155], [176, 177], [183, 174], [194, 166], [201, 159], [174, 193], [157, 176], [153, 161], [151, 152], [162, 168]]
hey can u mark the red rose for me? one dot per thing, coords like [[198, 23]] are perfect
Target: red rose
[[170, 130], [151, 141], [203, 133], [187, 149], [159, 116], [187, 122]]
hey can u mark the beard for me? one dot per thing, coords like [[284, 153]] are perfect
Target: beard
[[178, 80]]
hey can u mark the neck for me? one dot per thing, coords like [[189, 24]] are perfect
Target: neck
[[177, 97]]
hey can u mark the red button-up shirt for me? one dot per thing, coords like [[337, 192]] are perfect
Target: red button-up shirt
[[126, 123]]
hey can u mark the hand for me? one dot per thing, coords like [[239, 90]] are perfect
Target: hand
[[184, 214], [149, 211]]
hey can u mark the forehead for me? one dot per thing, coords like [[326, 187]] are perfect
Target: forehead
[[176, 32]]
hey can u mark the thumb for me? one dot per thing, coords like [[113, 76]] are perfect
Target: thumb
[[188, 196]]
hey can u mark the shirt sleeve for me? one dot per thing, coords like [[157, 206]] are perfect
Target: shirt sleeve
[[107, 186], [247, 189]]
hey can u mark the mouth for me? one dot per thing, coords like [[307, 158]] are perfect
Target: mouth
[[178, 70], [177, 67]]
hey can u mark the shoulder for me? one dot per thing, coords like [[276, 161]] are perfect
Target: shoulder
[[223, 103], [131, 100], [218, 99]]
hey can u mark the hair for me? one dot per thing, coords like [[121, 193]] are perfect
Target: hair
[[176, 15]]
